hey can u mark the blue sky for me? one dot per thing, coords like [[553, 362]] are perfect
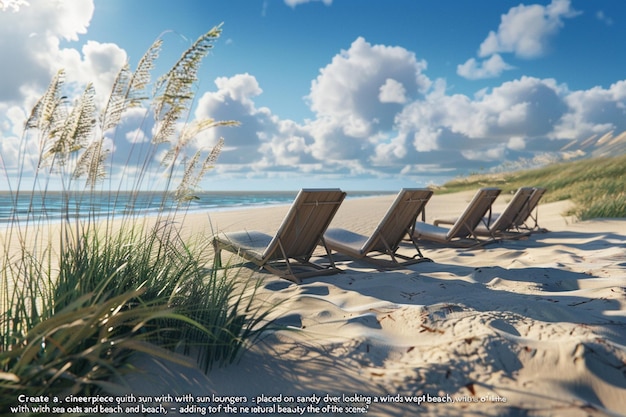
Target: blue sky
[[368, 94]]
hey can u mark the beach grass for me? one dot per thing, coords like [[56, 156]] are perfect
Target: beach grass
[[80, 296], [597, 186]]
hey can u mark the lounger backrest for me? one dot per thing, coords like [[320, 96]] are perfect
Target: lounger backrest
[[526, 211], [305, 223], [400, 218], [518, 203], [474, 213]]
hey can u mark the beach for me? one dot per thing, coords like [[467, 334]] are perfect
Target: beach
[[534, 326]]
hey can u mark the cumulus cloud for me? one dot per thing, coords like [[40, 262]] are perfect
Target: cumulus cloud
[[96, 62], [357, 96], [31, 33], [594, 111], [526, 30], [353, 79], [482, 128], [376, 112], [136, 135], [392, 92], [234, 100], [528, 106], [516, 143], [35, 49], [488, 68], [355, 99], [288, 146], [13, 5]]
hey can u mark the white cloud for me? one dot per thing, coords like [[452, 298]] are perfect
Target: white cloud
[[426, 138], [287, 149], [480, 129], [355, 98], [594, 111], [240, 88], [294, 3], [234, 100], [10, 132], [136, 136], [358, 95], [30, 38], [389, 152], [526, 30], [13, 141], [495, 153], [488, 68], [376, 112], [97, 63], [517, 143], [520, 118], [527, 106], [354, 77], [392, 92], [601, 16], [12, 5]]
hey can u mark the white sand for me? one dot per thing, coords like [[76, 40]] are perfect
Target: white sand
[[529, 327]]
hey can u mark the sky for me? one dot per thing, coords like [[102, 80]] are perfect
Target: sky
[[367, 94]]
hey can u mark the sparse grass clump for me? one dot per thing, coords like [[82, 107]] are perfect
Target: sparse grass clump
[[79, 295], [194, 308], [597, 186]]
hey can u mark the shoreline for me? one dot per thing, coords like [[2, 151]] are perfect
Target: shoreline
[[286, 196]]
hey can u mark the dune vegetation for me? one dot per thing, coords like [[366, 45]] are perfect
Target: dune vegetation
[[597, 186], [80, 295]]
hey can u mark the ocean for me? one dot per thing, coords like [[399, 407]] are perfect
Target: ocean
[[54, 206]]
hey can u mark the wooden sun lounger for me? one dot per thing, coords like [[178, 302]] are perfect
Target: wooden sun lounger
[[289, 251], [461, 233], [530, 213], [501, 225], [398, 222]]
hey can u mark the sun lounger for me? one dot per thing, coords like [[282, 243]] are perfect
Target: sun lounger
[[461, 233], [526, 214], [501, 225], [287, 253], [386, 238]]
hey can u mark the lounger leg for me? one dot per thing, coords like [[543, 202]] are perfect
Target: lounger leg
[[536, 220], [330, 256], [411, 233], [389, 251], [289, 270]]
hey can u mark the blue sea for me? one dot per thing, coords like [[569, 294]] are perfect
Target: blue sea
[[54, 206]]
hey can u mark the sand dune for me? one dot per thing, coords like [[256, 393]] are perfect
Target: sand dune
[[528, 327]]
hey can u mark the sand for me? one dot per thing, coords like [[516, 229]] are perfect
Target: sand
[[528, 327]]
